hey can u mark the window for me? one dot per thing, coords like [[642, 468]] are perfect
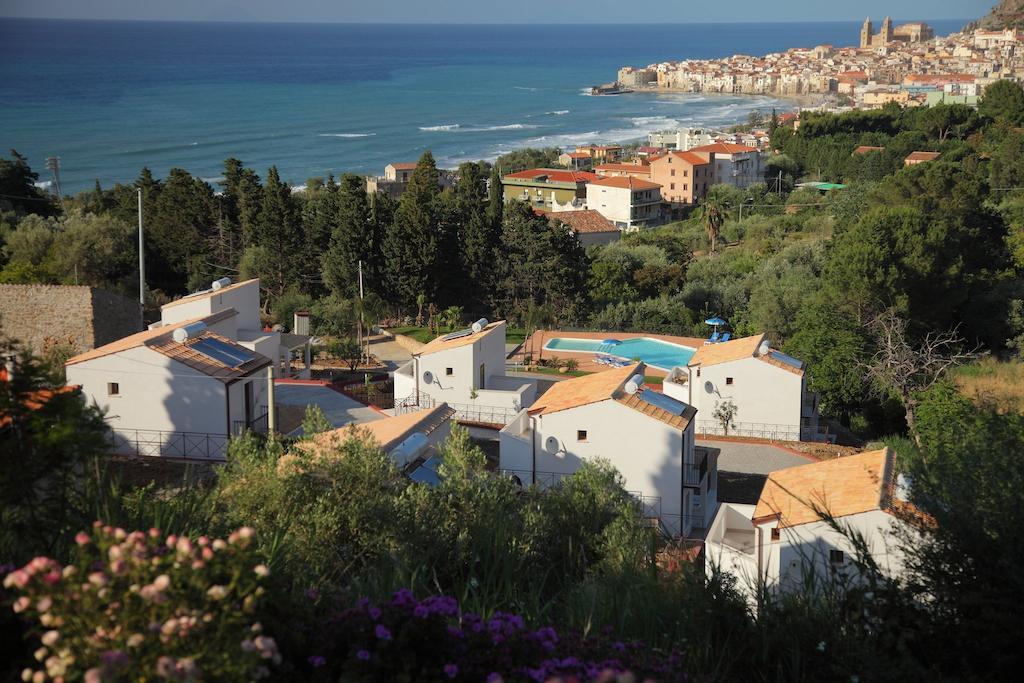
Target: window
[[836, 556], [449, 371], [673, 172], [686, 173], [673, 186], [776, 534], [581, 434], [686, 186], [728, 380], [113, 389]]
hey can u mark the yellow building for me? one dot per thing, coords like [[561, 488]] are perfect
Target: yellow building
[[543, 187]]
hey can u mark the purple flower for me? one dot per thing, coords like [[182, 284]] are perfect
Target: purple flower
[[316, 661], [455, 631], [382, 632], [374, 613], [361, 603], [403, 597], [114, 658], [494, 677], [363, 655], [421, 612], [618, 646], [451, 670]]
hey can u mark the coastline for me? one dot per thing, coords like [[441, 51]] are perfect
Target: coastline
[[802, 100]]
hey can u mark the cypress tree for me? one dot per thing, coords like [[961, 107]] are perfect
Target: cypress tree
[[411, 244], [351, 239]]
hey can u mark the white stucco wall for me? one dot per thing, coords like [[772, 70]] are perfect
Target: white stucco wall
[[611, 202], [245, 299], [763, 393]]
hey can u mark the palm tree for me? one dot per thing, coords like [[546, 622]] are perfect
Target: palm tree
[[713, 214], [452, 316], [421, 301]]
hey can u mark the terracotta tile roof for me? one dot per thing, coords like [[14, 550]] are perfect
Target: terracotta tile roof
[[404, 166], [776, 358], [724, 352], [637, 403], [388, 432], [584, 390], [923, 156], [864, 149], [688, 157], [626, 182], [34, 400], [578, 155], [584, 221], [642, 169], [844, 486], [724, 148], [554, 175], [183, 353], [139, 338], [188, 298], [440, 344]]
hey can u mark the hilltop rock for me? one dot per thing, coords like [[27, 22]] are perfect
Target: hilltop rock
[[1007, 14]]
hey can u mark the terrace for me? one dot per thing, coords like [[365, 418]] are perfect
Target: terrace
[[536, 348]]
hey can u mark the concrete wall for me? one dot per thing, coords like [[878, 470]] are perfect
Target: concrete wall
[[762, 393], [86, 317]]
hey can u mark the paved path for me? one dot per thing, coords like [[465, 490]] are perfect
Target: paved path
[[339, 409], [755, 458], [390, 353]]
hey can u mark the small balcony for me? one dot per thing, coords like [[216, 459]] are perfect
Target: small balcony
[[694, 473]]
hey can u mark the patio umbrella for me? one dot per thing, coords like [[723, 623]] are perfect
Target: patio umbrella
[[716, 321]]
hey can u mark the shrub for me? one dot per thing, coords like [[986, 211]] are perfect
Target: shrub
[[139, 606]]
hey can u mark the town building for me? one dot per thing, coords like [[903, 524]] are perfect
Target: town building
[[782, 542], [736, 165], [397, 176], [635, 170], [915, 158], [601, 154], [466, 370], [647, 436], [683, 139], [50, 318], [628, 202], [545, 187], [576, 161], [684, 177], [589, 226], [767, 388]]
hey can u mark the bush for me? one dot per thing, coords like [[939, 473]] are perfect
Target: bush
[[139, 606]]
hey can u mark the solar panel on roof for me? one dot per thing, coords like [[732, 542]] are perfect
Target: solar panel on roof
[[788, 360], [457, 335], [427, 472], [229, 355], [662, 401]]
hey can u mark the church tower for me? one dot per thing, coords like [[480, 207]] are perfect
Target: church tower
[[886, 35], [866, 32]]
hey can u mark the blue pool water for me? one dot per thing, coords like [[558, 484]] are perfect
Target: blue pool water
[[654, 352]]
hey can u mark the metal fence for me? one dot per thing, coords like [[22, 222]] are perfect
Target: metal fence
[[694, 473], [771, 432], [464, 412], [260, 425], [379, 394], [156, 443]]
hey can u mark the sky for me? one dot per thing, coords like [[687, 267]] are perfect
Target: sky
[[491, 11]]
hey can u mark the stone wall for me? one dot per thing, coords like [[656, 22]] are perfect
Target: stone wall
[[83, 317]]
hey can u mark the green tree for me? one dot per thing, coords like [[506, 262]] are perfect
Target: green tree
[[1003, 101], [179, 232], [713, 216], [481, 234], [279, 234], [411, 243], [18, 190], [352, 239]]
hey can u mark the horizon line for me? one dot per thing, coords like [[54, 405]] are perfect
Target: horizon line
[[465, 23]]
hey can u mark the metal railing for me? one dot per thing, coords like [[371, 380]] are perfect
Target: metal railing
[[379, 394], [464, 412], [157, 443], [695, 472], [771, 432], [260, 424]]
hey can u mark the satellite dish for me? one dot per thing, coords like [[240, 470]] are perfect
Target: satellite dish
[[764, 348], [551, 445], [709, 387], [428, 377]]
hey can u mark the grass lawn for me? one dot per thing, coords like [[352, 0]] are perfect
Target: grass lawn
[[513, 335], [990, 379]]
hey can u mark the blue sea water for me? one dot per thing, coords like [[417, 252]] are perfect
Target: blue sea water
[[112, 97]]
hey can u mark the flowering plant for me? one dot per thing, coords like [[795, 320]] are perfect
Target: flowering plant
[[432, 639], [141, 606]]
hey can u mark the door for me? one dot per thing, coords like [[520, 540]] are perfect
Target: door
[[248, 403], [482, 376]]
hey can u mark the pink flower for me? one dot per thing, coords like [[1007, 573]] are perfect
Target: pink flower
[[165, 667], [93, 676], [50, 638], [172, 541], [184, 546], [18, 578], [207, 554], [21, 604], [44, 605], [154, 532], [162, 582], [82, 538], [118, 567], [261, 571], [53, 576], [98, 579]]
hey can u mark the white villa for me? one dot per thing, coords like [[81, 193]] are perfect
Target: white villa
[[629, 203], [736, 165], [465, 369], [767, 387], [782, 540], [646, 435], [179, 390]]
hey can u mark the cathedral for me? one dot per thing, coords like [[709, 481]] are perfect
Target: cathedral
[[915, 32]]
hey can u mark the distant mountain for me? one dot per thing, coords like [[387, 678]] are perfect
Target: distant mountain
[[1007, 14]]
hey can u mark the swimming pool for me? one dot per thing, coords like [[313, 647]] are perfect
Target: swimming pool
[[654, 352]]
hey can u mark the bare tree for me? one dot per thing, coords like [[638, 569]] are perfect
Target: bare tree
[[904, 368]]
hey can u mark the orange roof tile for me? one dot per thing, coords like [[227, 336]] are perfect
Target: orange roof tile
[[584, 390], [637, 403], [140, 338], [185, 354], [554, 175], [724, 352], [584, 221], [844, 486], [642, 169], [441, 344], [923, 156], [388, 432], [724, 148], [626, 182], [404, 166], [188, 298], [688, 157], [864, 149]]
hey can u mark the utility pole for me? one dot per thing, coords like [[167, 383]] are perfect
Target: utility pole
[[271, 411], [142, 260]]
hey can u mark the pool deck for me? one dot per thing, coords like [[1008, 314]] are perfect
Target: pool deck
[[534, 345]]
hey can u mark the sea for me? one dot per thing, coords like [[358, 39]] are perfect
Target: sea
[[109, 98]]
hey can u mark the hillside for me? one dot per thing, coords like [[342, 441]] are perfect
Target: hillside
[[1007, 14]]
